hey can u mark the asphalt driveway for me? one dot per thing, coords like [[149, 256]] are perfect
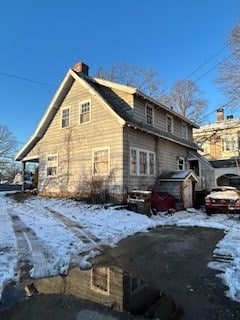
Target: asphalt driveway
[[175, 260]]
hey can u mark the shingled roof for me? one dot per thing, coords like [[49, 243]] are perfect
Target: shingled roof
[[103, 90]]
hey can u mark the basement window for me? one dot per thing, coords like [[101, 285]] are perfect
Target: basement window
[[52, 165]]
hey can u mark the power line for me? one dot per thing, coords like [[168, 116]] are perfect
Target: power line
[[27, 79], [205, 62], [214, 67], [222, 106]]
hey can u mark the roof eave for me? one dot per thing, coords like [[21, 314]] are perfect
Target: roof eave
[[47, 117]]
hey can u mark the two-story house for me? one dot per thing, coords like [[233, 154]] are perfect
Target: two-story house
[[99, 135], [220, 144]]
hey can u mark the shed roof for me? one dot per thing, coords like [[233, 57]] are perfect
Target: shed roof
[[182, 175]]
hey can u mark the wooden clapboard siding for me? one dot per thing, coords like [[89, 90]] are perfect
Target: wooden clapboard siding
[[167, 155], [137, 139], [79, 284], [127, 97], [74, 145], [160, 116], [117, 124]]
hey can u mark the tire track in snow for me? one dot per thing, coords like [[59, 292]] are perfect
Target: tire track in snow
[[79, 231], [76, 228], [33, 257]]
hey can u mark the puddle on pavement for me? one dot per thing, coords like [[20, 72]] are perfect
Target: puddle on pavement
[[112, 287]]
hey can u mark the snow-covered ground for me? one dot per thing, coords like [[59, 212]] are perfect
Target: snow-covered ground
[[43, 237]]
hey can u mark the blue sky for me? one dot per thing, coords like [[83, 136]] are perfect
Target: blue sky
[[41, 40]]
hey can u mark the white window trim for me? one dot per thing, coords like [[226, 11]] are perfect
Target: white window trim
[[152, 108], [184, 163], [109, 164], [47, 166], [65, 108], [184, 125], [148, 152], [95, 288], [80, 111], [169, 116]]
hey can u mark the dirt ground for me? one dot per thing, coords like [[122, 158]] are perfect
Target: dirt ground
[[172, 258]]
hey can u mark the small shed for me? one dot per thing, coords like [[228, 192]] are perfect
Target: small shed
[[180, 184]]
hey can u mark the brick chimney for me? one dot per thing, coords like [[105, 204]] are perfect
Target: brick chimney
[[81, 67], [220, 114]]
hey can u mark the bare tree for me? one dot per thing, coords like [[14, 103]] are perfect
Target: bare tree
[[7, 145], [229, 71], [184, 98], [144, 79]]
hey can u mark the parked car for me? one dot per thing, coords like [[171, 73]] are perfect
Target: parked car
[[223, 199]]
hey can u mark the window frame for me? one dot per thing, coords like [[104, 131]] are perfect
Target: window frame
[[48, 162], [147, 116], [169, 117], [108, 161], [229, 144], [184, 132], [182, 166], [97, 287], [64, 118], [81, 104], [150, 162]]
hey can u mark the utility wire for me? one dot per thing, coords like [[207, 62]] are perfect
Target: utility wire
[[27, 79], [222, 106], [205, 62], [214, 67]]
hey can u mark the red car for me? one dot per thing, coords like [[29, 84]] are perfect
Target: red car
[[223, 199]]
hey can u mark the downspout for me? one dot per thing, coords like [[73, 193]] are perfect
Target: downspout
[[23, 175]]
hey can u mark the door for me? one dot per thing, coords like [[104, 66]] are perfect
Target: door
[[187, 194]]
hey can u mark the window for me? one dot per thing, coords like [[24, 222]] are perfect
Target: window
[[184, 131], [181, 163], [133, 161], [65, 118], [52, 165], [149, 115], [229, 144], [100, 279], [85, 112], [142, 162], [169, 123], [101, 161], [194, 165], [151, 163]]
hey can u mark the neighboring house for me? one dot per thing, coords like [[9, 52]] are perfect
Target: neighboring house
[[97, 135], [220, 144]]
